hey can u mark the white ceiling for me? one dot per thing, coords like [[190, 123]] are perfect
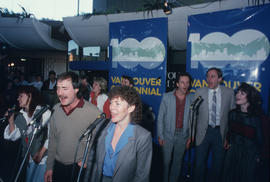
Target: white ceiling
[[28, 34], [94, 31], [31, 34]]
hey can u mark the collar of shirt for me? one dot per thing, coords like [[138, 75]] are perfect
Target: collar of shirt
[[79, 105], [112, 156], [25, 115], [176, 95], [29, 119], [123, 139], [212, 90], [53, 83]]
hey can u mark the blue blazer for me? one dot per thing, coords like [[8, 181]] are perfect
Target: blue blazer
[[134, 160]]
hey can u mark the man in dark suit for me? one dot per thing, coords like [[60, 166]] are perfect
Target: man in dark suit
[[212, 126]]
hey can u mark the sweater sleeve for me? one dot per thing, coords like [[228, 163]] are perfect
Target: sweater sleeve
[[52, 144]]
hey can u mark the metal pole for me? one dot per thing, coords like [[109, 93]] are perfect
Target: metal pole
[[26, 154], [78, 10]]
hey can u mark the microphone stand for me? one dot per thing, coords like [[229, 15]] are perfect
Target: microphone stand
[[193, 112], [191, 119], [89, 133], [27, 152], [85, 154]]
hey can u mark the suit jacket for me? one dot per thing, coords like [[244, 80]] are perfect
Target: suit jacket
[[227, 103], [134, 160], [167, 116], [46, 86]]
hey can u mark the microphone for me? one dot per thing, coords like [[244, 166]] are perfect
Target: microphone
[[93, 125], [198, 103], [39, 114], [198, 99], [10, 112]]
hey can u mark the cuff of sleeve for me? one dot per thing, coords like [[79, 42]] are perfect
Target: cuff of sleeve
[[11, 136]]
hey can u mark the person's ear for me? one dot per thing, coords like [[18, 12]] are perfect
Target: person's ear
[[131, 108]]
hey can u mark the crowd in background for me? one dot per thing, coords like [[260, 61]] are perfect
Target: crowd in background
[[237, 132]]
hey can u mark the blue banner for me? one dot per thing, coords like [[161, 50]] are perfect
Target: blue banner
[[237, 42], [139, 49]]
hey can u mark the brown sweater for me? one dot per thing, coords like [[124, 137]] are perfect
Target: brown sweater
[[65, 131]]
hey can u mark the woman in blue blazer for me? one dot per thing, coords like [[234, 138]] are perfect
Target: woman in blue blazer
[[124, 149]]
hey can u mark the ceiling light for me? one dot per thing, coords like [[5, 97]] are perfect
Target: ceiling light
[[167, 9]]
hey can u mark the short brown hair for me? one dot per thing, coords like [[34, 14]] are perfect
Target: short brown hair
[[132, 97]]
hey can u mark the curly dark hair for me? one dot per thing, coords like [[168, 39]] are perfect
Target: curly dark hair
[[253, 97], [132, 97], [36, 97]]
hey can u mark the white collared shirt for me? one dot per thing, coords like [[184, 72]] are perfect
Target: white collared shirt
[[218, 104], [52, 84], [16, 134]]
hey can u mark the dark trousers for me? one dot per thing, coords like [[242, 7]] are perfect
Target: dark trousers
[[211, 142], [66, 173]]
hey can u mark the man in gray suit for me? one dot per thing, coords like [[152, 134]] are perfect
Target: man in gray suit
[[172, 126], [212, 126]]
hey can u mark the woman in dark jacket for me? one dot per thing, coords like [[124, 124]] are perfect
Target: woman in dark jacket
[[244, 137]]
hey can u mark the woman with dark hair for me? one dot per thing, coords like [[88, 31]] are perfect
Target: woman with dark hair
[[124, 149], [30, 102], [244, 137]]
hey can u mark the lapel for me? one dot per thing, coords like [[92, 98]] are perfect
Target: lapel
[[186, 110], [173, 100], [222, 105], [125, 152], [206, 101], [101, 150], [172, 107]]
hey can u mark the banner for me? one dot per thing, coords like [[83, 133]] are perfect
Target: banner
[[237, 42], [139, 49]]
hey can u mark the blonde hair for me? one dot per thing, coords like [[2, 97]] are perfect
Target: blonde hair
[[102, 83]]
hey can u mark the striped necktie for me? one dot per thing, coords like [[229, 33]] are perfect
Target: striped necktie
[[214, 110]]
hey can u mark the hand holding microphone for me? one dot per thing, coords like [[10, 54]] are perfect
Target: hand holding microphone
[[8, 114]]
